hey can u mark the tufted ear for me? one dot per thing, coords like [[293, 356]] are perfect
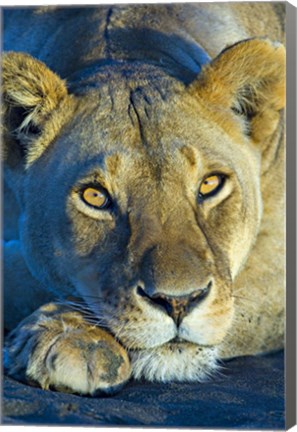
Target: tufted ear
[[248, 80], [31, 94]]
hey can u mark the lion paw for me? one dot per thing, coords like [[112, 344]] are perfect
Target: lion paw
[[66, 354]]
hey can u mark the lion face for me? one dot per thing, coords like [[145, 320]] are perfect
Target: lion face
[[150, 234], [148, 203]]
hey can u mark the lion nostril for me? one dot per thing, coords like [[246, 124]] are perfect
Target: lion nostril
[[140, 291], [157, 299], [164, 302], [199, 295]]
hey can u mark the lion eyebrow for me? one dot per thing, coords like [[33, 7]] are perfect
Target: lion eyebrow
[[190, 154], [113, 162]]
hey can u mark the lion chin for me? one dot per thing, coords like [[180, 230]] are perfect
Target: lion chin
[[175, 361]]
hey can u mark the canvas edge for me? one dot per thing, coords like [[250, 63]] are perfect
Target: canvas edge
[[290, 369]]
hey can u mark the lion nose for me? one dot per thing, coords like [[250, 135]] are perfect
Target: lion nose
[[177, 307]]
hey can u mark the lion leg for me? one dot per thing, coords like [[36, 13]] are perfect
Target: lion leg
[[56, 348]]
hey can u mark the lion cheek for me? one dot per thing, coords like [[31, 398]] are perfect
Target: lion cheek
[[146, 336], [249, 230]]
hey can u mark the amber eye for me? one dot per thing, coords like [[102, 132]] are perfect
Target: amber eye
[[96, 198], [211, 185]]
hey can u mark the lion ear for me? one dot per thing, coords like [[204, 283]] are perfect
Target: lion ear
[[31, 92], [249, 79]]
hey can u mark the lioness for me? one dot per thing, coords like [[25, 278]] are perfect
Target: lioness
[[144, 191]]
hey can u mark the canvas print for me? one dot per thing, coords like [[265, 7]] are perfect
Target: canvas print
[[144, 240]]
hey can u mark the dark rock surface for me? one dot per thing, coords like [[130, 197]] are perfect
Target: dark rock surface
[[249, 394]]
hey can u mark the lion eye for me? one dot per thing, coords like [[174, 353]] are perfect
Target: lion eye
[[95, 198], [211, 185]]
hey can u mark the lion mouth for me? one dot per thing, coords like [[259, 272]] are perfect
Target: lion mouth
[[177, 340], [179, 344]]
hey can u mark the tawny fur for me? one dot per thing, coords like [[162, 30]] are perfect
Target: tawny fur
[[149, 140]]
